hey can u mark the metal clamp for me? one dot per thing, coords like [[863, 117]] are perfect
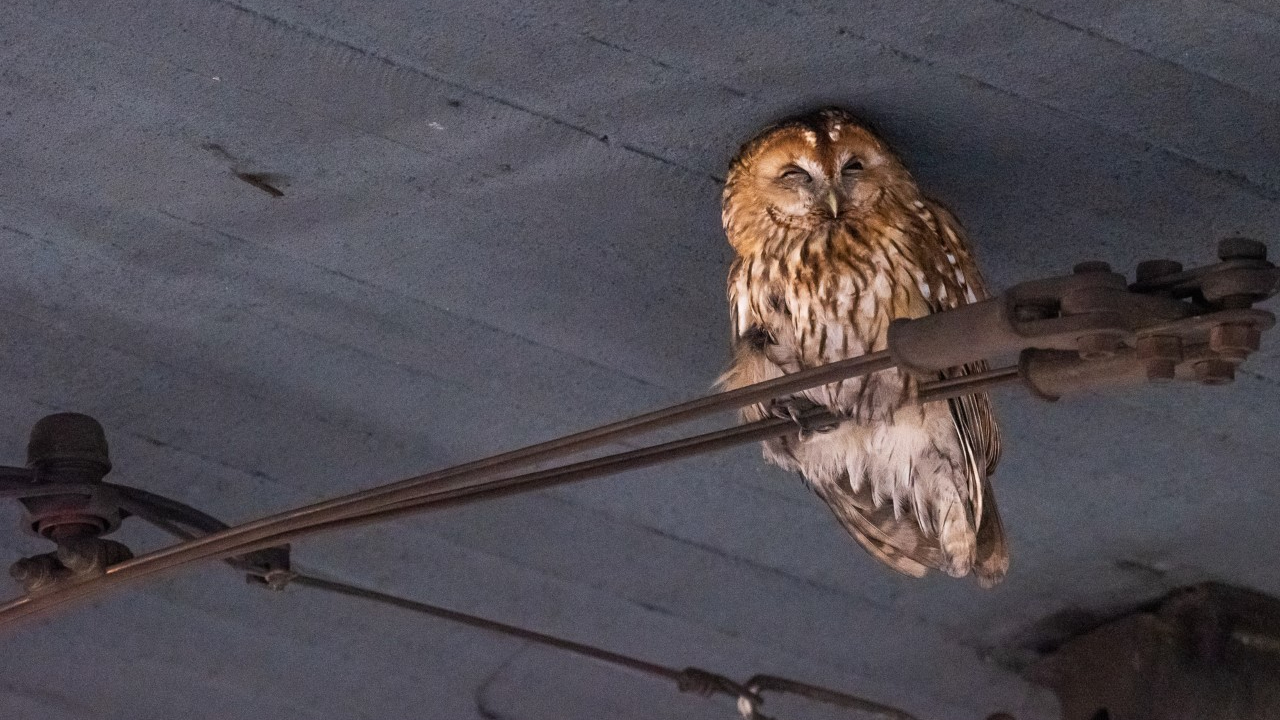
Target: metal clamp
[[68, 502], [1090, 329]]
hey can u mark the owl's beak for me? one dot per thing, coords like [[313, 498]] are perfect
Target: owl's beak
[[833, 202]]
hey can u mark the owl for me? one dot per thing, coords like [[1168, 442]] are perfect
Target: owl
[[834, 241]]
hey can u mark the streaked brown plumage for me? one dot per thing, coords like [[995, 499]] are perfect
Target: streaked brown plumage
[[834, 240]]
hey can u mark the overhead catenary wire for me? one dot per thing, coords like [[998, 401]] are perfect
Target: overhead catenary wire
[[476, 481], [689, 679], [186, 523], [622, 462], [238, 539]]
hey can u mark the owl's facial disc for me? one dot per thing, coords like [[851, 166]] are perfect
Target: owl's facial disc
[[810, 172], [803, 187]]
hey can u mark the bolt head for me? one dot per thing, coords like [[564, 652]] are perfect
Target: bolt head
[[1149, 270], [1234, 340], [1240, 248], [1160, 347], [1161, 370]]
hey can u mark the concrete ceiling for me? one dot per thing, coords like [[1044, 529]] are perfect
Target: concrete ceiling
[[500, 224]]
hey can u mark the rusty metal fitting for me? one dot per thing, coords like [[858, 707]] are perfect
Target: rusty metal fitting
[[1241, 248], [1151, 270], [40, 571], [1098, 346], [69, 443], [1234, 341], [91, 555], [1214, 371], [69, 448], [1093, 290], [1160, 354], [75, 560]]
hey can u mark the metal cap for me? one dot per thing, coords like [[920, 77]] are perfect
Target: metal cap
[[68, 437]]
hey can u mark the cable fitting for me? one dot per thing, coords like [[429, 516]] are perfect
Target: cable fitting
[[1091, 329]]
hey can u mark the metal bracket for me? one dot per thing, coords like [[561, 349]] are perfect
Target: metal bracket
[[68, 503], [1090, 329]]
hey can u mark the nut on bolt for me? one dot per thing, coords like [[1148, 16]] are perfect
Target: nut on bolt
[[1215, 371], [1160, 354], [1240, 248], [1149, 270], [1091, 266], [1098, 346], [1234, 341]]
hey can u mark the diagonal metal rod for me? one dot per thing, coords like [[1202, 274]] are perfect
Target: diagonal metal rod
[[231, 542], [447, 491], [539, 480], [929, 392], [240, 539], [457, 492], [687, 679], [480, 623]]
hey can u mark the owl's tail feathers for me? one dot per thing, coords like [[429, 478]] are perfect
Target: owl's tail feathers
[[993, 550], [894, 541], [898, 541], [956, 538]]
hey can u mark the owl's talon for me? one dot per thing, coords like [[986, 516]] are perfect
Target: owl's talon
[[800, 411]]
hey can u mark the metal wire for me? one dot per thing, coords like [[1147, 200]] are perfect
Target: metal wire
[[929, 392], [577, 648], [454, 489], [250, 536], [187, 523], [231, 542], [443, 489], [689, 679]]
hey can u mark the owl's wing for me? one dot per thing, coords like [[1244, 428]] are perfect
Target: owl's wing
[[760, 350], [973, 416]]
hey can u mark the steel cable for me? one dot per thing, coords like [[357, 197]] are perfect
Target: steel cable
[[175, 518], [472, 482], [689, 679], [240, 539]]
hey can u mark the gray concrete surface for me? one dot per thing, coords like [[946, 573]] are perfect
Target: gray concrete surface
[[500, 224]]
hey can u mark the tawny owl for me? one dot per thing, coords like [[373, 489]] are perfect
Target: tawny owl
[[834, 240]]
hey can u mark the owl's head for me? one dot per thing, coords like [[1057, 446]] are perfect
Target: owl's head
[[810, 170]]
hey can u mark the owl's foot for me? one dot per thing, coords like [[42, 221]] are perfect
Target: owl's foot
[[801, 411]]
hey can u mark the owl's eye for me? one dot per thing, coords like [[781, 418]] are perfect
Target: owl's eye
[[794, 174], [851, 168]]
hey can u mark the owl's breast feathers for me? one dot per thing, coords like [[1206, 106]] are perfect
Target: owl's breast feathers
[[832, 290]]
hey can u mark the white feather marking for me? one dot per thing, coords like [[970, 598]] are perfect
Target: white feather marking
[[923, 284], [744, 308], [902, 488], [921, 508], [854, 460], [811, 137]]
